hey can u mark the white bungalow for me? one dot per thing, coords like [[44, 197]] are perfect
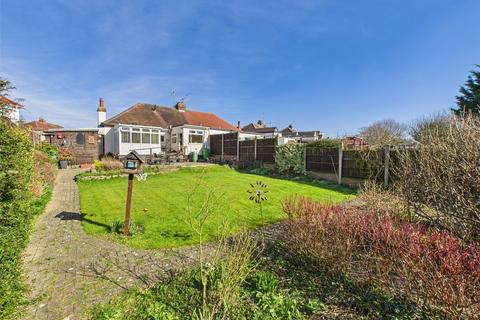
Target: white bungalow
[[152, 129]]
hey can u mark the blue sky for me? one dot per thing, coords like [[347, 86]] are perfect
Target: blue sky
[[329, 65]]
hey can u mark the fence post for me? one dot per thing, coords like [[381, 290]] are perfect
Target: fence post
[[386, 166], [340, 163], [305, 157], [222, 148], [238, 148], [255, 149]]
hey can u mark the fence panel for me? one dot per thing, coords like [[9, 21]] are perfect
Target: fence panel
[[323, 160], [247, 152], [266, 150], [216, 144]]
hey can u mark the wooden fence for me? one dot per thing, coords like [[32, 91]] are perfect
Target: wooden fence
[[353, 164], [335, 162], [244, 152]]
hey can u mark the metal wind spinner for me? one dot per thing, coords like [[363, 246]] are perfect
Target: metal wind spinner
[[258, 192]]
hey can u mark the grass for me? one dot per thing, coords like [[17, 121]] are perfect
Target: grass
[[159, 203]]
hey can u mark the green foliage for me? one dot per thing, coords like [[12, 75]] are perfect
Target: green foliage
[[468, 102], [325, 143], [17, 208], [134, 228], [259, 297], [290, 159], [48, 148]]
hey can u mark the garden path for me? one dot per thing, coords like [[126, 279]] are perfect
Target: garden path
[[68, 271]]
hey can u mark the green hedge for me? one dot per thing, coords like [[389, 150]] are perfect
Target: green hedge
[[290, 159], [17, 208]]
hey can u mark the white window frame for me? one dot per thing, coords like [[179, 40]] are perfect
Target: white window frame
[[195, 133]]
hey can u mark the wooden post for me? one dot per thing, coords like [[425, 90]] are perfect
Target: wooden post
[[129, 204], [238, 148], [222, 148], [386, 166], [255, 149], [340, 163], [305, 157]]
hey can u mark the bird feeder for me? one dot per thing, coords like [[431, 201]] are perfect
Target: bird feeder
[[132, 164]]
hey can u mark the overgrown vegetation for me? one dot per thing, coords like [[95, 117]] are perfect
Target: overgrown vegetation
[[427, 266], [108, 163], [440, 180], [25, 180]]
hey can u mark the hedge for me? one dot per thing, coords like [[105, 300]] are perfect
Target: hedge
[[17, 208]]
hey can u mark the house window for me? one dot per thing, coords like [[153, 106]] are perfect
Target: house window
[[136, 135], [195, 136], [174, 138], [125, 135], [162, 138], [146, 136], [80, 138], [154, 138]]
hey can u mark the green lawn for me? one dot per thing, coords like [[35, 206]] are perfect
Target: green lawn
[[159, 203]]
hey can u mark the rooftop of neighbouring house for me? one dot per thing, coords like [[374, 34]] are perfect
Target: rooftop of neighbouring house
[[259, 127], [41, 125], [146, 114], [9, 102]]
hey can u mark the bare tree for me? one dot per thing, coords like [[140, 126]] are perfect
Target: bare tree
[[384, 132], [423, 128]]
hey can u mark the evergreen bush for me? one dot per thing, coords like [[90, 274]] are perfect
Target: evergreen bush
[[290, 159]]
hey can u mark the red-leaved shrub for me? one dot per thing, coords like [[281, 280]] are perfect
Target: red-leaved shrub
[[431, 267]]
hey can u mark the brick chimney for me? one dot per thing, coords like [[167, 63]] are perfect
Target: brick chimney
[[181, 106], [101, 112]]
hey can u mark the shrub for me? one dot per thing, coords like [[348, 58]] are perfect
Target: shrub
[[16, 162], [432, 267], [47, 148], [290, 159], [44, 173], [440, 180], [108, 164]]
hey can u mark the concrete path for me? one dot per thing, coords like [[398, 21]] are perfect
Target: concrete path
[[69, 271]]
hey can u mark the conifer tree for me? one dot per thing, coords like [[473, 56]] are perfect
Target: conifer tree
[[468, 102]]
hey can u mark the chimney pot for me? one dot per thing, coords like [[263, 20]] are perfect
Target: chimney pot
[[238, 124], [180, 106], [101, 106]]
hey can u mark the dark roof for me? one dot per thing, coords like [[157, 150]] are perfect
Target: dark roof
[[41, 125], [145, 114]]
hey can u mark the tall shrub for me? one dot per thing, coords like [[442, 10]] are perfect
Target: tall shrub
[[440, 180], [16, 165], [290, 159]]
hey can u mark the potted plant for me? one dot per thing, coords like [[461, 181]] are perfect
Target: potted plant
[[64, 157]]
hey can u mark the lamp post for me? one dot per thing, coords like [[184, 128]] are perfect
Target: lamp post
[[132, 164]]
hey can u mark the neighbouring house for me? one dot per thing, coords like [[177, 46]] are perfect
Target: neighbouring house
[[39, 127], [153, 129], [289, 134], [354, 143], [82, 142], [13, 109], [260, 128]]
